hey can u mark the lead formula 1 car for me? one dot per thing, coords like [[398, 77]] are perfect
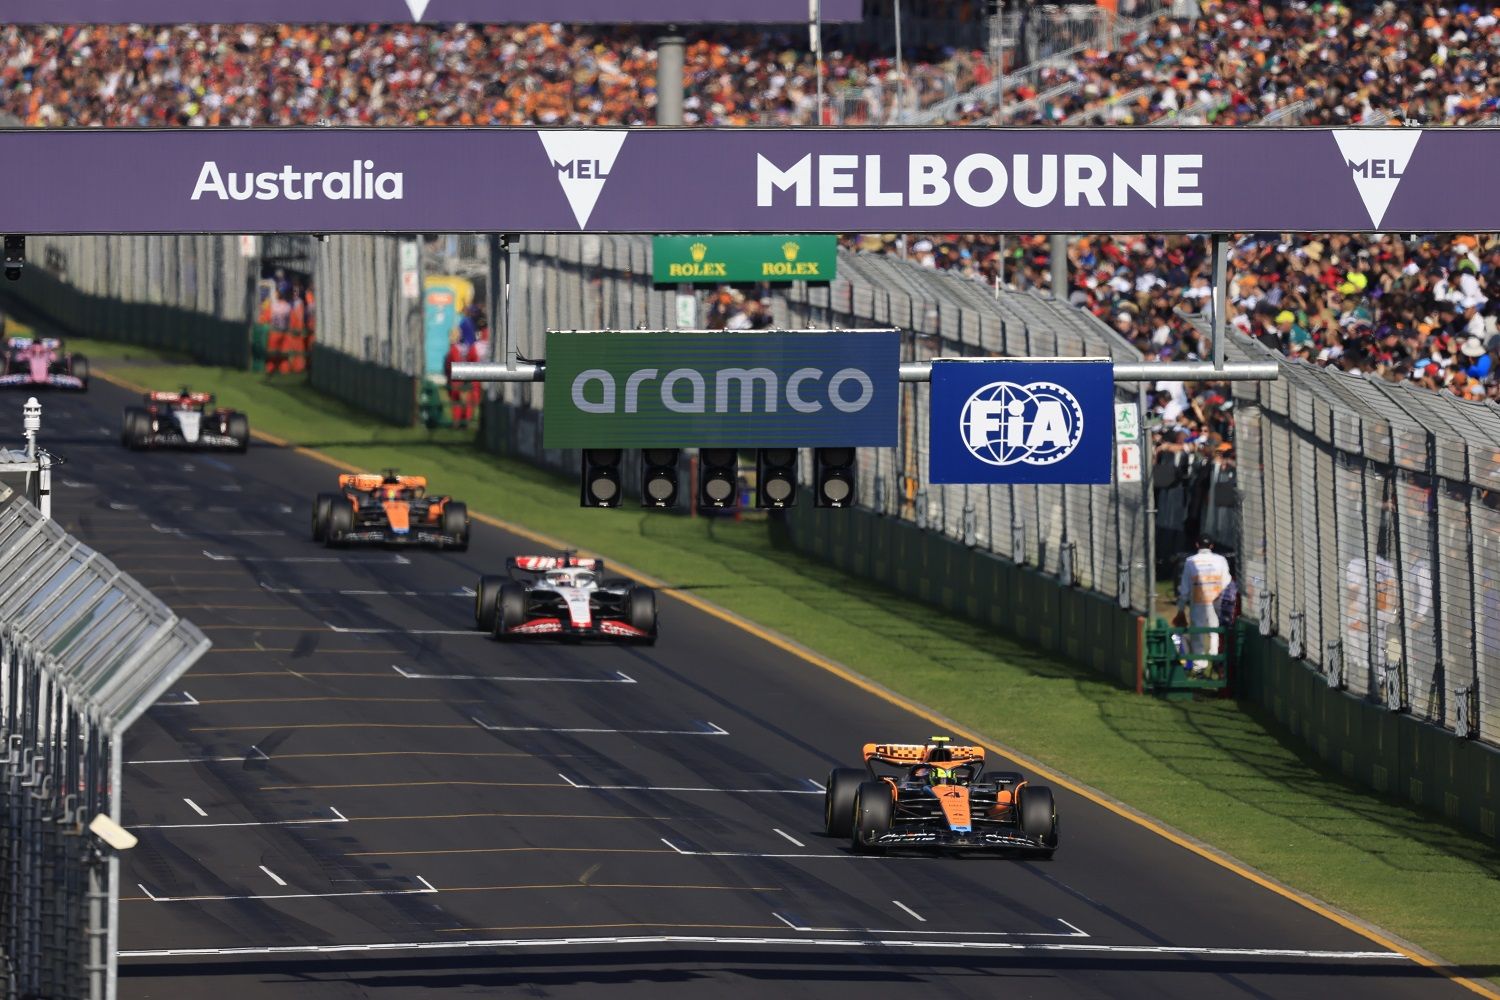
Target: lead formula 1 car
[[31, 361], [940, 797], [184, 419], [389, 509], [564, 597]]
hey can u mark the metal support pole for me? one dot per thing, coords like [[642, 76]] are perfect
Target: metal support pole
[[505, 318], [496, 305], [669, 87], [997, 22], [1148, 498], [1221, 294], [817, 30], [1059, 261], [900, 73]]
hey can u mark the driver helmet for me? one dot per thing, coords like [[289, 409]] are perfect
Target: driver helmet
[[939, 775]]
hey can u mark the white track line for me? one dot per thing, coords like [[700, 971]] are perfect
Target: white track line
[[297, 895], [339, 818], [711, 730], [816, 784], [460, 592], [659, 939], [799, 857], [396, 559], [406, 631], [788, 836], [235, 533], [187, 702], [195, 807], [274, 877], [908, 909], [1076, 933], [145, 890], [254, 753], [670, 788], [620, 678]]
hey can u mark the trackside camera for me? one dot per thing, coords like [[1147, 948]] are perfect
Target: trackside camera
[[112, 833], [15, 256]]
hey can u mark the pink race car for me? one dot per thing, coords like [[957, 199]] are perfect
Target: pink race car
[[31, 362]]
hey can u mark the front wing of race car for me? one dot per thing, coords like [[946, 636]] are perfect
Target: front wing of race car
[[935, 836], [386, 535], [207, 441], [53, 379], [598, 628]]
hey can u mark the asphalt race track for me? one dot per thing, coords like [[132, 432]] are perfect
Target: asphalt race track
[[356, 795]]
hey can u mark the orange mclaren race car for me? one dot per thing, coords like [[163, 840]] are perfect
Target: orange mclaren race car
[[389, 509], [940, 796]]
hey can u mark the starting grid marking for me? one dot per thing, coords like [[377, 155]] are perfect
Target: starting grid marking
[[426, 890], [709, 729], [670, 788], [396, 559], [858, 943], [472, 633], [459, 592], [338, 817], [620, 677]]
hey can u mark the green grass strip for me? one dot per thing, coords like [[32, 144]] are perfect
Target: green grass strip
[[1218, 771]]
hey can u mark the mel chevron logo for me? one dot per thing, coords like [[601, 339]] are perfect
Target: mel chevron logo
[[583, 160], [1377, 159]]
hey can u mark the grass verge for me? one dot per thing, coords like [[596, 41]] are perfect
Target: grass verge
[[1217, 771]]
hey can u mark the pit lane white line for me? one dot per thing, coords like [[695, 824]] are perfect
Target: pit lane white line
[[406, 631], [252, 753], [788, 836], [1074, 932], [187, 702], [426, 891], [338, 817], [867, 943], [396, 559], [709, 730], [667, 788], [620, 678], [908, 909], [460, 592]]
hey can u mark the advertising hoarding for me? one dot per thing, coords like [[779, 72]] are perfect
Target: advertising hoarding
[[739, 259]]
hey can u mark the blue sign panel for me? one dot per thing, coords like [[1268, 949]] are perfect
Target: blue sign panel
[[633, 389], [1000, 421]]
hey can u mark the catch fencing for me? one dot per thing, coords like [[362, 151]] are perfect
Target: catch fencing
[[1370, 536], [1098, 538], [191, 294], [84, 650]]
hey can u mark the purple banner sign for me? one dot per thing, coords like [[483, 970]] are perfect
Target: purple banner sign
[[747, 180], [420, 11]]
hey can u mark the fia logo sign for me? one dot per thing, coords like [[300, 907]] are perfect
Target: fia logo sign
[[1005, 423], [1377, 159], [583, 160]]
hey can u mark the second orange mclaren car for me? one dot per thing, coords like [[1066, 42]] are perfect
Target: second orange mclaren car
[[389, 509]]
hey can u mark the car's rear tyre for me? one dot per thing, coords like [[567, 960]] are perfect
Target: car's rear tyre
[[135, 428], [1039, 817], [340, 523], [873, 810], [238, 427], [79, 369], [456, 525], [321, 506], [487, 602], [510, 609], [838, 800]]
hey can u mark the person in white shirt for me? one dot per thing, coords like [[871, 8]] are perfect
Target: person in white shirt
[[1205, 574]]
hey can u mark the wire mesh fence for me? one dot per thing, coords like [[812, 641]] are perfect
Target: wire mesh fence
[[84, 650], [1370, 536]]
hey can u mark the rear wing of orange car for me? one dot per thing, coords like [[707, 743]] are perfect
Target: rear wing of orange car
[[364, 482], [908, 754]]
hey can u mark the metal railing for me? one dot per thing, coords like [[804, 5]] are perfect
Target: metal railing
[[84, 650], [1370, 536]]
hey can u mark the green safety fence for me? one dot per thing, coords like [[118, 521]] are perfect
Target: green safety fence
[[389, 395], [39, 299], [1395, 753]]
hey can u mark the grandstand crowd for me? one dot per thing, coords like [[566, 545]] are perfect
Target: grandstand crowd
[[1415, 309]]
